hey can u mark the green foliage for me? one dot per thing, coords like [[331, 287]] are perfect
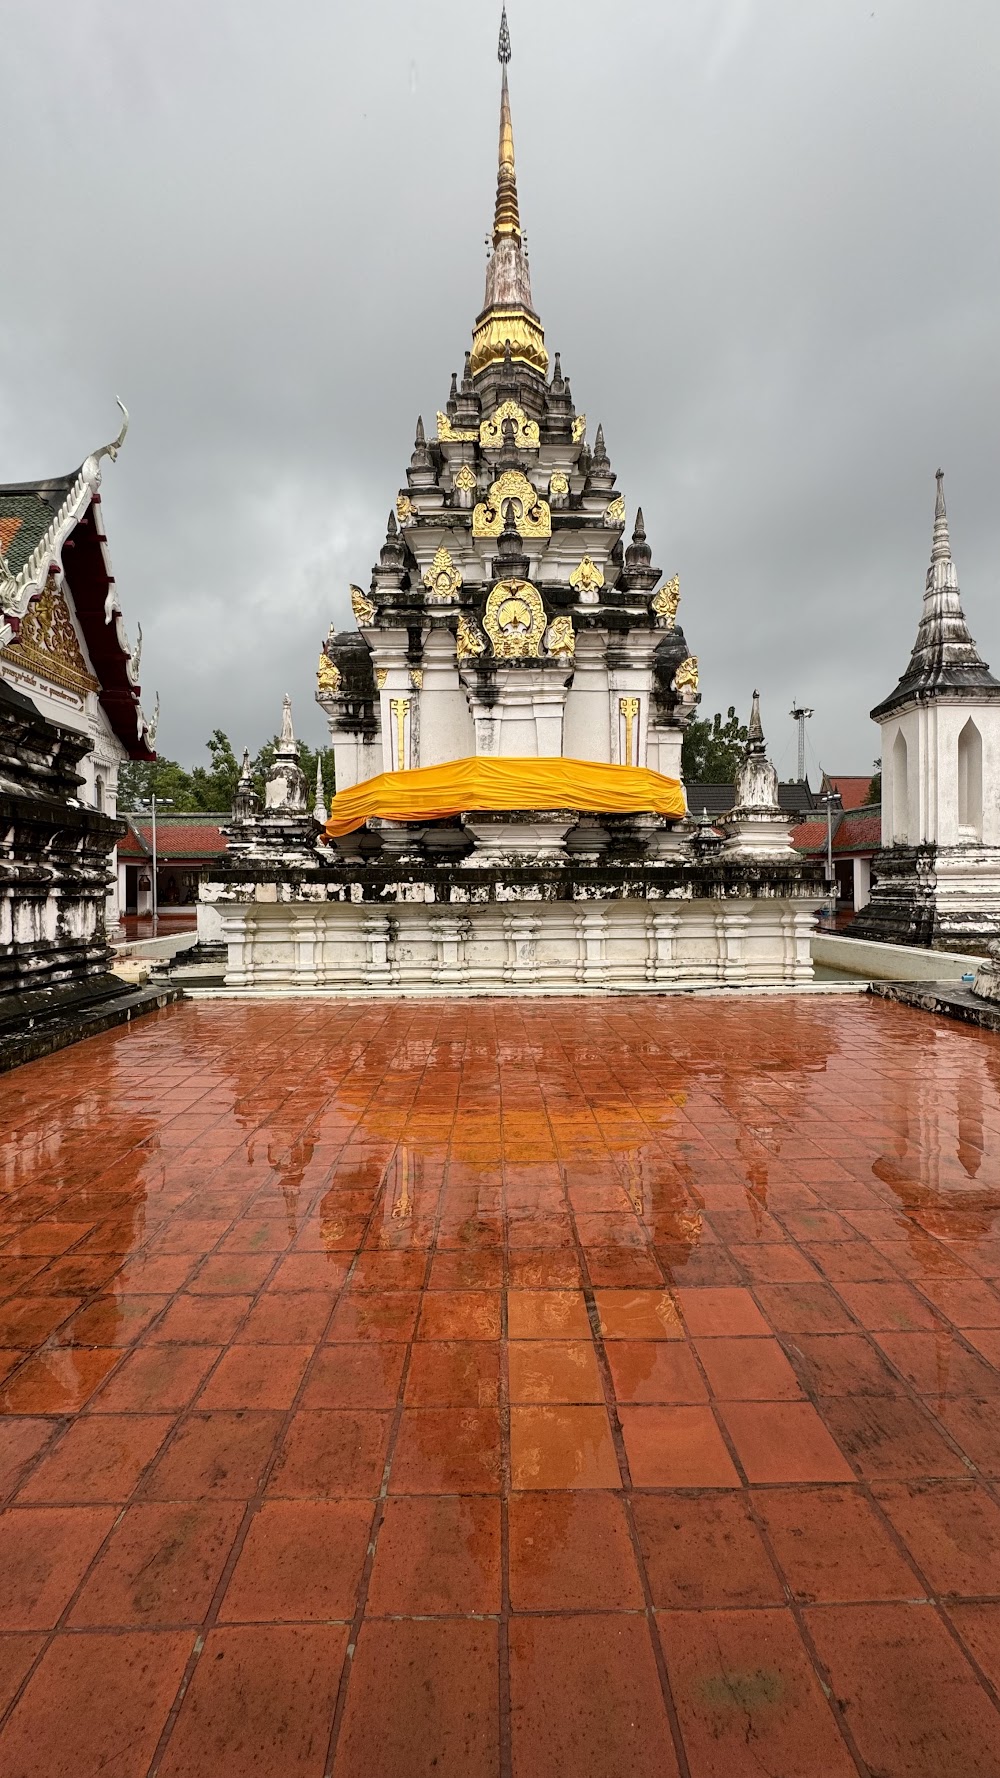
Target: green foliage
[[712, 751], [875, 787], [213, 787]]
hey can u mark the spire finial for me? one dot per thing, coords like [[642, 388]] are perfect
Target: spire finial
[[755, 729], [503, 49], [941, 545], [319, 806], [506, 215]]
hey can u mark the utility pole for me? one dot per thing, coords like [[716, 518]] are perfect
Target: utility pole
[[829, 799], [800, 713], [166, 802]]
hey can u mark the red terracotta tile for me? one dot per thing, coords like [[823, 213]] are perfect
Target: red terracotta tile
[[447, 1451], [967, 1304], [214, 1455], [654, 1371], [952, 1531], [720, 1312], [623, 1269], [747, 1697], [17, 1654], [231, 1274], [841, 1364], [783, 1442], [889, 1439], [912, 1703], [704, 1550], [546, 1269], [355, 1376], [155, 1379], [437, 1556], [562, 1447], [547, 1315], [460, 1374], [832, 1546], [442, 1678], [676, 1447], [638, 1315], [100, 1458], [975, 1427], [937, 1364], [391, 1271], [161, 1566], [891, 1308], [804, 1309], [331, 1453], [979, 1628], [570, 1550], [256, 1376], [769, 1263], [748, 1370], [260, 1702], [302, 1560], [554, 1370], [987, 1341], [44, 1553], [586, 1697], [57, 1380], [324, 1272], [460, 1315], [205, 1320], [467, 1271], [96, 1704], [28, 1320], [21, 1442], [391, 1316]]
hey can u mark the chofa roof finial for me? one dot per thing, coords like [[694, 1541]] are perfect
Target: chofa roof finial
[[503, 48]]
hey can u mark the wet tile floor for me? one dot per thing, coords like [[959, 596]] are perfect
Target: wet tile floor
[[472, 1389]]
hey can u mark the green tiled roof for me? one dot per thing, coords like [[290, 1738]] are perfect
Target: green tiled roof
[[32, 507]]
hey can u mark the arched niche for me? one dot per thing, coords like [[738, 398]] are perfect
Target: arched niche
[[970, 783], [900, 791]]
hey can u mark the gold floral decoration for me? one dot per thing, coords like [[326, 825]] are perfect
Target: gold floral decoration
[[449, 434], [686, 676], [328, 674], [362, 607], [48, 645], [442, 579], [514, 620], [614, 512], [666, 601], [381, 675], [466, 479], [525, 430], [417, 678], [532, 515], [558, 485], [468, 641], [587, 578], [406, 512], [579, 428], [560, 637]]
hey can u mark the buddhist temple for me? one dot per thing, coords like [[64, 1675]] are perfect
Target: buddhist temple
[[507, 720]]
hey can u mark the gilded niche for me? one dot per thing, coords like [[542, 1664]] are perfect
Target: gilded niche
[[442, 579], [525, 430], [48, 644], [362, 607], [560, 637], [514, 620], [558, 485], [686, 676], [406, 512], [468, 642], [666, 601], [579, 428], [532, 515], [587, 579], [466, 479], [328, 676], [449, 434]]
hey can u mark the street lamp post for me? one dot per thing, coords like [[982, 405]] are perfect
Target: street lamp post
[[829, 799], [163, 802]]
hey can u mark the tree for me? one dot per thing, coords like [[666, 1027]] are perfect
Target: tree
[[213, 787], [712, 752], [875, 787]]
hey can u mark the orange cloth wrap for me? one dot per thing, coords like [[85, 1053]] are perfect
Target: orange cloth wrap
[[433, 792]]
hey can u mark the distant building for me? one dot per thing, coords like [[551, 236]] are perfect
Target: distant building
[[186, 846], [795, 798], [856, 839]]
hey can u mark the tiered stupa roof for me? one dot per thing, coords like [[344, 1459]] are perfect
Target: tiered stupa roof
[[506, 494], [945, 661]]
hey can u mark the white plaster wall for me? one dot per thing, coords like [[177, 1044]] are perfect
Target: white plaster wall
[[932, 733]]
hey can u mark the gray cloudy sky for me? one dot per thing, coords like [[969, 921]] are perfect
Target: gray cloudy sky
[[763, 236]]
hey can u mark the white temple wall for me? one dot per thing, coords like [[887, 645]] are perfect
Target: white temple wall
[[587, 728], [947, 792], [355, 758]]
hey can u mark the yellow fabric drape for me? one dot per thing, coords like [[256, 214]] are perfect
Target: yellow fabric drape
[[432, 792]]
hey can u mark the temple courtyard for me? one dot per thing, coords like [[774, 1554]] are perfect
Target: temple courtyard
[[469, 1389]]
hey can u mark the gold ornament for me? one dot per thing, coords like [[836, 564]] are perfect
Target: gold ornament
[[442, 578], [686, 675], [614, 512], [579, 428], [514, 620], [666, 601], [400, 708], [362, 607], [417, 678], [531, 515], [447, 433], [406, 512], [629, 708], [48, 644], [466, 479], [500, 328], [381, 675], [560, 637], [525, 430], [328, 674], [558, 485], [587, 578], [468, 642]]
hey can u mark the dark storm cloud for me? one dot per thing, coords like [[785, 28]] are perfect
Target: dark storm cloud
[[763, 236]]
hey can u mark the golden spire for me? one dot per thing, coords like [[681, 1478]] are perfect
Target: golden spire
[[506, 219]]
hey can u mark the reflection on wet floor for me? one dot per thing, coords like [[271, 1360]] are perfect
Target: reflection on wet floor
[[503, 1388]]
